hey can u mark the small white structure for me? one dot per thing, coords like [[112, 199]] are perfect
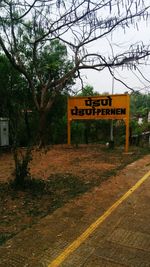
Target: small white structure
[[140, 121], [149, 116], [4, 132]]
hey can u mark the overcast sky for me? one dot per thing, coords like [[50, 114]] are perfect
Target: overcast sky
[[102, 81]]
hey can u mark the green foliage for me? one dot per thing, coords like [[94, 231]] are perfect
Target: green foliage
[[52, 62], [88, 90], [140, 106], [15, 100], [57, 121], [4, 237], [8, 83], [77, 131]]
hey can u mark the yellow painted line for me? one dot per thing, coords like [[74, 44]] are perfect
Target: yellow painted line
[[76, 243]]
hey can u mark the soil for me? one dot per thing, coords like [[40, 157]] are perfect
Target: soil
[[59, 174]]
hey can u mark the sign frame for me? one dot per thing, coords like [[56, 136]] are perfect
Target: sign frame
[[100, 107]]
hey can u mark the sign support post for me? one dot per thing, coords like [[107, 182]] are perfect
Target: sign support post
[[127, 121], [69, 132], [68, 126], [127, 136]]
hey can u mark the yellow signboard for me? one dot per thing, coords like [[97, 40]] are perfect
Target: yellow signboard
[[99, 107]]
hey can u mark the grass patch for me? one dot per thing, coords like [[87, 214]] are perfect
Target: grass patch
[[4, 237]]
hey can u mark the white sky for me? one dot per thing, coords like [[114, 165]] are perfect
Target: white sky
[[102, 81]]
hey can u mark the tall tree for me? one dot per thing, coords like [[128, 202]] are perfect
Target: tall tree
[[140, 105], [15, 98], [30, 29]]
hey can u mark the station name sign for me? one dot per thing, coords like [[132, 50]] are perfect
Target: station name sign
[[98, 107]]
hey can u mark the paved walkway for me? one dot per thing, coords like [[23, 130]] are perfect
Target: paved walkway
[[122, 239]]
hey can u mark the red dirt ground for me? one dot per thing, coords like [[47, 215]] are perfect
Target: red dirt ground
[[84, 161], [69, 169]]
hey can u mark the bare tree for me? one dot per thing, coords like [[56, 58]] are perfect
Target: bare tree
[[28, 27]]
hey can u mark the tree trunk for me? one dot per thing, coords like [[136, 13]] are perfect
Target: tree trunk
[[22, 159], [42, 130], [26, 119]]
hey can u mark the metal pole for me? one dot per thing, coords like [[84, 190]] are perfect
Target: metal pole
[[69, 132], [111, 125], [127, 125]]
